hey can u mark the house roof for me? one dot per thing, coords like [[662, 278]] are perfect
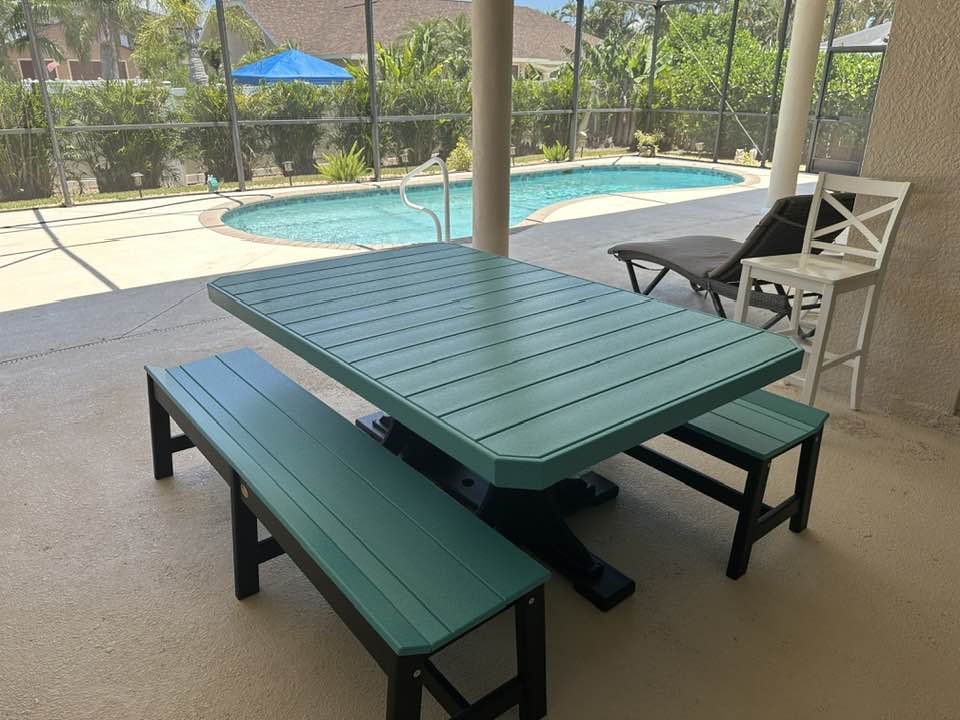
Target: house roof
[[335, 28]]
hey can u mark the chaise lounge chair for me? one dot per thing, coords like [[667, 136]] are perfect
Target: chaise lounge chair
[[712, 263]]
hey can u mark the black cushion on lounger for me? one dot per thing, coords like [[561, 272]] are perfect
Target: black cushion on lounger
[[693, 256], [712, 263], [779, 232]]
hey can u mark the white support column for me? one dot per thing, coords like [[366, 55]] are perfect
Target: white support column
[[808, 19], [492, 85]]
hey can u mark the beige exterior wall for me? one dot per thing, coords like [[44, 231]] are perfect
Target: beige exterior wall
[[914, 366], [56, 34]]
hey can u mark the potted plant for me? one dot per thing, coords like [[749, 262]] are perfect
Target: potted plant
[[647, 142]]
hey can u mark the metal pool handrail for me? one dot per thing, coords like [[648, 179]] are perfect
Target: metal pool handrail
[[435, 160]]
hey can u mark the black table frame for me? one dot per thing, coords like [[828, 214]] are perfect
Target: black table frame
[[534, 519]]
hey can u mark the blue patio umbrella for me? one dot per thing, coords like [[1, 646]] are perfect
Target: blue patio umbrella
[[291, 65]]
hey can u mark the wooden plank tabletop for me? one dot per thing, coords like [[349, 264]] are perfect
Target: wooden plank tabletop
[[523, 374]]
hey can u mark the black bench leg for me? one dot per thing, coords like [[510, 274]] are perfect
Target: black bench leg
[[160, 441], [246, 568], [750, 512], [806, 474], [532, 655], [405, 689]]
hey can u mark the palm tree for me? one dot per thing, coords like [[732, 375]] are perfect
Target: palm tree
[[103, 22], [441, 42], [181, 22], [13, 37]]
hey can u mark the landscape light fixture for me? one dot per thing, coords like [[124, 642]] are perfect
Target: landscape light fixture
[[138, 182]]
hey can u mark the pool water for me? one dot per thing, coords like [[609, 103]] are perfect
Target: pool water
[[379, 217]]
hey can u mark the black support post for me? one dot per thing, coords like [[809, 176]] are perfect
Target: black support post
[[657, 12], [777, 73], [372, 83], [725, 83], [40, 70], [231, 98], [575, 95], [824, 81]]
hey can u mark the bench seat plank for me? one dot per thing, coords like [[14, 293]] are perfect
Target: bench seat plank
[[419, 567], [760, 424]]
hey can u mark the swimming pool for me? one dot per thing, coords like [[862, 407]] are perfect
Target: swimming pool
[[379, 217]]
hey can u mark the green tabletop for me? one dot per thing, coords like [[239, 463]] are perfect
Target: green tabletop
[[523, 374]]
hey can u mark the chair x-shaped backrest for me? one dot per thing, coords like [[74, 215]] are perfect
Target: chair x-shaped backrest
[[863, 187]]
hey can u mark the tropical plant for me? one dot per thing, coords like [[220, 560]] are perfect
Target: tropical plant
[[25, 162], [112, 156], [213, 146], [529, 132], [444, 43], [461, 157], [261, 52], [14, 41], [648, 139], [558, 152], [351, 99], [413, 82], [290, 101], [103, 23], [341, 166], [168, 37]]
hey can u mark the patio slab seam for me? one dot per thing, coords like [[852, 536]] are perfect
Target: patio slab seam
[[103, 341]]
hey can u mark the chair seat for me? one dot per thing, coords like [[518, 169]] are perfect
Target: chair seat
[[693, 256], [817, 268]]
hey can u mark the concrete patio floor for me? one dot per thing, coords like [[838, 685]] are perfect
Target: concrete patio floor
[[116, 591]]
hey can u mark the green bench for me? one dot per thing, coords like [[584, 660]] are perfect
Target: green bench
[[750, 433], [407, 568]]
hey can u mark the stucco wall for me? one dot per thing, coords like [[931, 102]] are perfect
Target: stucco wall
[[914, 367]]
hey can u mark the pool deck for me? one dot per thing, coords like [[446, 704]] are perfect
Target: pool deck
[[53, 254], [117, 594]]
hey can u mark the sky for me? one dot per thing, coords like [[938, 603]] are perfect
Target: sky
[[544, 5]]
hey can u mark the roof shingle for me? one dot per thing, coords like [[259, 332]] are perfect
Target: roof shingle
[[335, 28]]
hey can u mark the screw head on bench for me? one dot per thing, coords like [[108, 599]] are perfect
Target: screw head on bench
[[532, 601], [416, 673], [244, 491]]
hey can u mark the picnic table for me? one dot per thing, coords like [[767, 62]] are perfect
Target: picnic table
[[504, 381]]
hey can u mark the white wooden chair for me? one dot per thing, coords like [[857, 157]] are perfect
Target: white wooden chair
[[838, 268]]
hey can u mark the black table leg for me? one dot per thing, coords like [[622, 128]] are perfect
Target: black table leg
[[534, 519]]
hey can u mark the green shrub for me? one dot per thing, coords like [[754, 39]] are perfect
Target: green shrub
[[461, 157], [213, 147], [652, 139], [113, 155], [340, 166], [289, 101], [648, 142], [25, 162], [351, 99], [530, 132], [557, 152]]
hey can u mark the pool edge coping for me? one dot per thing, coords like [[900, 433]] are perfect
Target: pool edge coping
[[212, 218]]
